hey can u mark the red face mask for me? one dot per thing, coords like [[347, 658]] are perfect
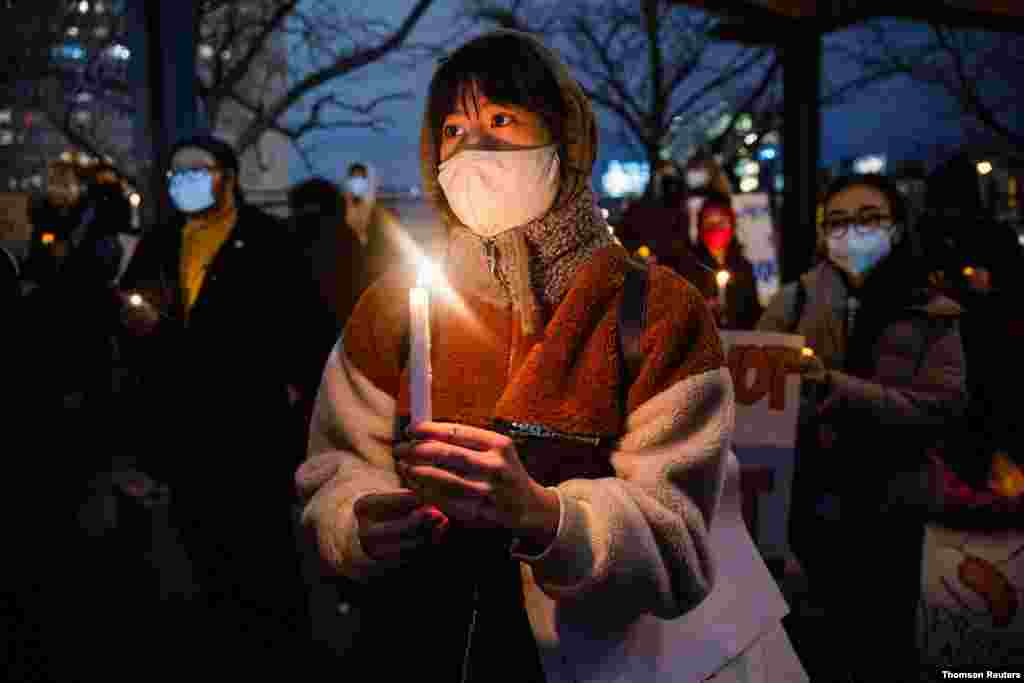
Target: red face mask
[[717, 239], [716, 230]]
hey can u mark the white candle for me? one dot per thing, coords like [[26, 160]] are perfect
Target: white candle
[[722, 277], [419, 351]]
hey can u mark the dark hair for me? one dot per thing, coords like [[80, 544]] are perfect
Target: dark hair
[[224, 153], [316, 195], [358, 166], [905, 270], [713, 199], [505, 69], [897, 200]]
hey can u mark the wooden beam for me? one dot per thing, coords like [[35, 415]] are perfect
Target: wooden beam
[[769, 21]]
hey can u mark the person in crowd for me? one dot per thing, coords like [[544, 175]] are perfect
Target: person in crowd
[[549, 508], [376, 226], [979, 261], [215, 307], [57, 222], [884, 383], [655, 227], [336, 255], [10, 280], [734, 298], [705, 176]]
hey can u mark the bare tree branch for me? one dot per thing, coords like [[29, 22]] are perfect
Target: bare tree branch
[[342, 66], [975, 69]]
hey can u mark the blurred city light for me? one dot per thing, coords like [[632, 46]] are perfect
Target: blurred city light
[[749, 184], [624, 178], [872, 163], [118, 51]]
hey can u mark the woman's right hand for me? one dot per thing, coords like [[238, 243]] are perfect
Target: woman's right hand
[[393, 526]]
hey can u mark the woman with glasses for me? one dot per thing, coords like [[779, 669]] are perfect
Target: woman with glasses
[[886, 378]]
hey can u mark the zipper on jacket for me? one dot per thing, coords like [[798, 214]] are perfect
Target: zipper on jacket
[[491, 250], [523, 429]]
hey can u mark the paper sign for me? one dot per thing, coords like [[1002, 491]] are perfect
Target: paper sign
[[764, 368], [15, 229], [756, 232], [972, 586]]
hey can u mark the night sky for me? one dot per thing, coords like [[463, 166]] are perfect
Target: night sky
[[899, 118]]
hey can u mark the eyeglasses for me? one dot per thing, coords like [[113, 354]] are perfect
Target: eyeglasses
[[192, 169], [863, 223]]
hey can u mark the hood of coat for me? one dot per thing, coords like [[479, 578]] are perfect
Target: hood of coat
[[577, 149]]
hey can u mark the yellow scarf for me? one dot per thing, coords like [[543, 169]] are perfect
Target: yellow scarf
[[201, 240]]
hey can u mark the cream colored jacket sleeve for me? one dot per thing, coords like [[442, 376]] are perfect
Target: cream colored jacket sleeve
[[637, 542]]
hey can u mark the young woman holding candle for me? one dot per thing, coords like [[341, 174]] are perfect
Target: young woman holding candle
[[553, 521], [717, 267]]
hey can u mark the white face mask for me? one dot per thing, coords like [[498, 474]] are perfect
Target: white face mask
[[857, 254], [359, 186], [492, 191], [697, 178]]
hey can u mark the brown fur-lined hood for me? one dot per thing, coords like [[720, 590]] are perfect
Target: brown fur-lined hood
[[578, 149]]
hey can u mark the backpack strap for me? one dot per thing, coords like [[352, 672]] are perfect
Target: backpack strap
[[632, 320], [799, 303]]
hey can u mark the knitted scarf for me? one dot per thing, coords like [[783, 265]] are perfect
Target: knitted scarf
[[529, 267]]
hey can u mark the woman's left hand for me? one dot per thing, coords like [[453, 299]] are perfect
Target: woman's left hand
[[475, 476]]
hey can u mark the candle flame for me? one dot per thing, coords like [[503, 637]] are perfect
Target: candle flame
[[968, 271], [135, 300], [47, 238], [1006, 478], [427, 276], [807, 351], [723, 277]]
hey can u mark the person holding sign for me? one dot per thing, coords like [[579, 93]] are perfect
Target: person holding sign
[[884, 377], [550, 501]]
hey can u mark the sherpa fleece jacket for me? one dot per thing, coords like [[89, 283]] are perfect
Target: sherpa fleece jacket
[[633, 542]]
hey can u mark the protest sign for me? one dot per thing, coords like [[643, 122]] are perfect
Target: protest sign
[[764, 368], [15, 229], [972, 584], [755, 231]]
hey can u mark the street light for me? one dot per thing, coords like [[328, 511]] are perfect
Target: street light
[[984, 167]]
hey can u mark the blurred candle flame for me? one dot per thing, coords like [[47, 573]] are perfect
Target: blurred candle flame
[[1006, 477]]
